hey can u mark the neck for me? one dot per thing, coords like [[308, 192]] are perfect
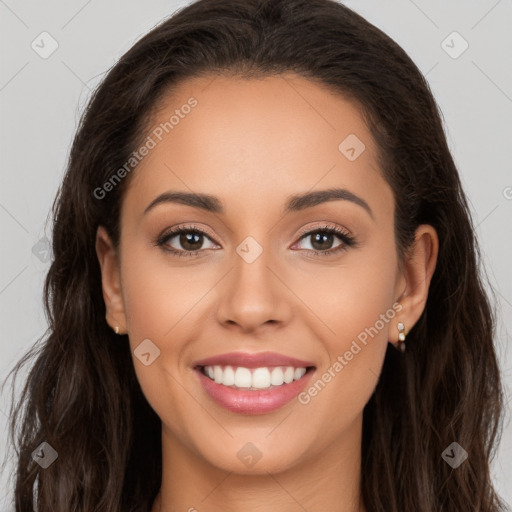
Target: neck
[[328, 480]]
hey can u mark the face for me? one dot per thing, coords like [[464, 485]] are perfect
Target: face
[[258, 270]]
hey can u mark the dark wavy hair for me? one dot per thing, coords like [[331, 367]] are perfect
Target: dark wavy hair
[[82, 395]]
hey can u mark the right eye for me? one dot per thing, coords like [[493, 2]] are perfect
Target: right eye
[[190, 238]]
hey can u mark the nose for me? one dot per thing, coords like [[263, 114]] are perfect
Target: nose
[[253, 295]]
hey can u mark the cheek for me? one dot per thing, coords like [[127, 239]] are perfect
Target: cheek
[[157, 295], [155, 306], [353, 308], [351, 296]]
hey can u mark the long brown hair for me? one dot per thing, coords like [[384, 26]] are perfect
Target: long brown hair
[[82, 396]]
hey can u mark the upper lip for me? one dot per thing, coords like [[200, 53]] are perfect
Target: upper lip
[[254, 360]]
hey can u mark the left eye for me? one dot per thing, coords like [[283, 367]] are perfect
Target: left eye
[[322, 240]]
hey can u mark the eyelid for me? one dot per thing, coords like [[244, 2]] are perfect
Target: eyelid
[[176, 230], [347, 240], [340, 232], [307, 230]]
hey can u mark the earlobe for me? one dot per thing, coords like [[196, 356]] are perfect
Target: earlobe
[[419, 267], [111, 281]]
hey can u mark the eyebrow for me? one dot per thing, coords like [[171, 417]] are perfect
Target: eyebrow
[[294, 203]]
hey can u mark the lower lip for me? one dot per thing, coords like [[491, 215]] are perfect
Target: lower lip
[[253, 402]]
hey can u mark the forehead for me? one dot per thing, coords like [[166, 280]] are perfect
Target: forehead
[[256, 141]]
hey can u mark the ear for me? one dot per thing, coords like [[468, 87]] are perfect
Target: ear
[[419, 265], [111, 281]]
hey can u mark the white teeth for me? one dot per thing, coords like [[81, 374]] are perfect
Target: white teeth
[[217, 374], [261, 378], [299, 372], [256, 378], [288, 374], [242, 377], [228, 378], [277, 377]]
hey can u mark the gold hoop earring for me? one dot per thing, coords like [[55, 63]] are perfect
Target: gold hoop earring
[[401, 336]]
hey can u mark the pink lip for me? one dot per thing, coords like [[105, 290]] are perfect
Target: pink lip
[[257, 360], [256, 401]]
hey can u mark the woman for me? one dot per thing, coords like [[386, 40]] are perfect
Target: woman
[[260, 207]]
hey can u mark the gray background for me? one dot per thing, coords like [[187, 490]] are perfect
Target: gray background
[[41, 100]]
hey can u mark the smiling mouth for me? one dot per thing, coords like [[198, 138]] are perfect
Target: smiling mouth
[[254, 379]]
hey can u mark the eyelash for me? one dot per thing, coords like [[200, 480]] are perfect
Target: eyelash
[[348, 241]]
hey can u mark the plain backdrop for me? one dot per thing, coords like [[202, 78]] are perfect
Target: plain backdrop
[[463, 47]]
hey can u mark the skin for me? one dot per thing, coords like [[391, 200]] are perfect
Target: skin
[[253, 143]]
